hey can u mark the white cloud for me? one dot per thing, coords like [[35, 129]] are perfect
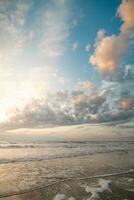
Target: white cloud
[[79, 106], [126, 13], [61, 80], [19, 16], [85, 85], [109, 50], [75, 45], [12, 39], [55, 27], [87, 47], [20, 79], [100, 35]]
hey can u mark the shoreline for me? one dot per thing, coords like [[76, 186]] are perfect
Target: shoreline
[[25, 175], [63, 180], [65, 157]]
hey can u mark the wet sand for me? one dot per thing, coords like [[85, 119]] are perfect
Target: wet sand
[[15, 177]]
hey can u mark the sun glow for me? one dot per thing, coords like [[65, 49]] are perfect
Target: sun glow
[[19, 98]]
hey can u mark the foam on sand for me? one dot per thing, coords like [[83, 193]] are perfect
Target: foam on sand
[[95, 191], [63, 197], [60, 197]]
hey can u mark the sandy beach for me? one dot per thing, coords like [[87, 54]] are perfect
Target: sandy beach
[[38, 165], [19, 176]]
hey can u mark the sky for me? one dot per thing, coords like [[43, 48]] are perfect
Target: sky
[[66, 62]]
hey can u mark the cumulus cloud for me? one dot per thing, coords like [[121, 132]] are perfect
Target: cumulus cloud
[[79, 106], [117, 78], [110, 49], [126, 13], [108, 52], [86, 103]]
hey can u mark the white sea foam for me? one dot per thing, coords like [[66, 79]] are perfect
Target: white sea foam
[[95, 191], [60, 197], [63, 197]]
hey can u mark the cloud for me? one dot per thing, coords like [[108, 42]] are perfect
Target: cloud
[[75, 46], [117, 77], [19, 16], [87, 47], [109, 50], [83, 105], [55, 29], [100, 35], [124, 73], [86, 103], [125, 103], [12, 19], [61, 80], [126, 13], [85, 85]]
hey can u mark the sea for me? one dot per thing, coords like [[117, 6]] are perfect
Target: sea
[[21, 151]]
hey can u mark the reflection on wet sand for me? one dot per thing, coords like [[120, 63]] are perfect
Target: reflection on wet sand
[[27, 175]]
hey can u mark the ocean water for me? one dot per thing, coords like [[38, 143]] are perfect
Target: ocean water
[[25, 176], [21, 151]]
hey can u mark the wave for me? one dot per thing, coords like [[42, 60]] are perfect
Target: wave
[[66, 144], [34, 159], [21, 152]]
